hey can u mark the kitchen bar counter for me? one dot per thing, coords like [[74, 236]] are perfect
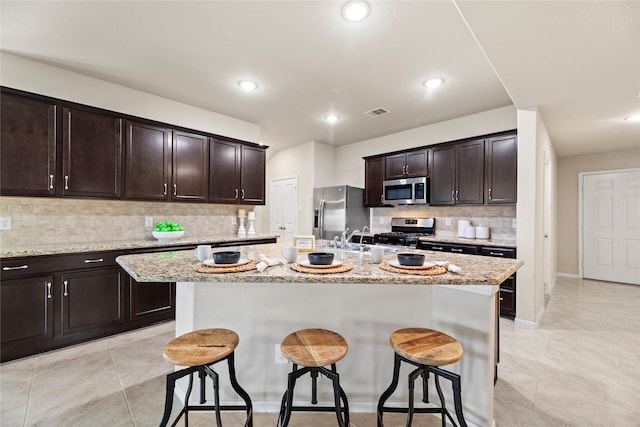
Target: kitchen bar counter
[[364, 305], [69, 248]]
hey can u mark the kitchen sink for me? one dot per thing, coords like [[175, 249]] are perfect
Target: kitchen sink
[[355, 247]]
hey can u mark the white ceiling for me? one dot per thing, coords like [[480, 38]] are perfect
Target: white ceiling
[[577, 61]]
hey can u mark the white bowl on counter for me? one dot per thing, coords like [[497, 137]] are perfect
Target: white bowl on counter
[[166, 236]]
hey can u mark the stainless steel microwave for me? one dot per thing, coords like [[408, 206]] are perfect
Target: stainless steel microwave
[[408, 191]]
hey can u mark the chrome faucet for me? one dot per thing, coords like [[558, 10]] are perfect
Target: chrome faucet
[[348, 238], [362, 235], [343, 239]]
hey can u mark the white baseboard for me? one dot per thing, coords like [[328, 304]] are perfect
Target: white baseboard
[[529, 324], [569, 275]]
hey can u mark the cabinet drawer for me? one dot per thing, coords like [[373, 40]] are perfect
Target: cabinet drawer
[[498, 252], [509, 284], [448, 247]]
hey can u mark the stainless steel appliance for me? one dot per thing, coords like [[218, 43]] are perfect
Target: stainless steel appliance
[[406, 231], [337, 208], [407, 191]]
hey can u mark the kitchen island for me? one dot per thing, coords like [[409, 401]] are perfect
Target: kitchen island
[[365, 305]]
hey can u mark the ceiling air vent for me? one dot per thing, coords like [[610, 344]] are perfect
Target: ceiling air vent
[[376, 112]]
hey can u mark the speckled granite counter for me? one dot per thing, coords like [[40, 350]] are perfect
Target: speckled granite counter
[[179, 266], [69, 248]]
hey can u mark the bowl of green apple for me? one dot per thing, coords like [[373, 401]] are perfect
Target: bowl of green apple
[[167, 231]]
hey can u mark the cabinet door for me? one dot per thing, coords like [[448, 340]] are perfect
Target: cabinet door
[[470, 172], [373, 179], [26, 314], [252, 173], [442, 176], [395, 166], [91, 299], [149, 299], [508, 298], [190, 167], [148, 172], [92, 154], [416, 163], [28, 147], [224, 171], [502, 169]]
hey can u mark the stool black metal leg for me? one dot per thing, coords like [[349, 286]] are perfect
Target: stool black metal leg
[[241, 392], [425, 386], [314, 386], [168, 400], [457, 399], [442, 402], [389, 391], [291, 382], [216, 392], [412, 379], [202, 375]]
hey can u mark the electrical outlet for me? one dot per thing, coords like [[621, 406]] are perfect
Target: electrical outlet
[[447, 222], [5, 223], [381, 220], [514, 223], [148, 221], [233, 220], [280, 359]]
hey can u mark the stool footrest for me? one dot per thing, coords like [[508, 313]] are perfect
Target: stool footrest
[[314, 408], [397, 410]]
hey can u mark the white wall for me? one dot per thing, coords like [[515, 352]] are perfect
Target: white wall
[[533, 142], [349, 163], [21, 73]]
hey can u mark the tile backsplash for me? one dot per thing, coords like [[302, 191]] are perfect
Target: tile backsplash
[[55, 220], [499, 218]]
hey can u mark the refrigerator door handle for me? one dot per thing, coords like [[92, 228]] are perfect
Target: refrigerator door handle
[[321, 220]]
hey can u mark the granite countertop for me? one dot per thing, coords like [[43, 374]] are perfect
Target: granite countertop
[[178, 266], [70, 248]]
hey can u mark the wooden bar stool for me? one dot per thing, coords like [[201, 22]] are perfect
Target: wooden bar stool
[[199, 351], [314, 350], [427, 350]]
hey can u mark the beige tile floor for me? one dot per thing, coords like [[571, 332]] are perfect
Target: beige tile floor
[[580, 368]]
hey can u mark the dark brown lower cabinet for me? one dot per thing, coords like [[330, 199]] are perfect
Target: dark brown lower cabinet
[[151, 299]]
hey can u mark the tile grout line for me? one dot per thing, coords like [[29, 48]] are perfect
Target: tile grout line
[[33, 375], [124, 395]]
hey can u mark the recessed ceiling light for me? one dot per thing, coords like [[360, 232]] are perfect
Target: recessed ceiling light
[[633, 118], [433, 82], [248, 85], [331, 118], [355, 10]]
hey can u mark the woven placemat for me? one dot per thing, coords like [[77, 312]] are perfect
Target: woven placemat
[[433, 271], [202, 268], [342, 268]]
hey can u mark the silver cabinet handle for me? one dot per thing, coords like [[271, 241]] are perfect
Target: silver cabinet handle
[[164, 192], [236, 194], [66, 182], [490, 198], [452, 194], [456, 250], [22, 267], [50, 182], [66, 288], [501, 299], [496, 254], [175, 189], [90, 261], [436, 248], [406, 170], [243, 194], [457, 195], [48, 290]]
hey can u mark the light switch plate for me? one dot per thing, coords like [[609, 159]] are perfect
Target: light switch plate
[[148, 221], [280, 359], [447, 222], [514, 223], [5, 223]]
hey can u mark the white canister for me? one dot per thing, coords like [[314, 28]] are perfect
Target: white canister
[[482, 232], [470, 232], [462, 226]]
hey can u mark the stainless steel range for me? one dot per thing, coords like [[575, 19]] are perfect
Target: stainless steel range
[[406, 231]]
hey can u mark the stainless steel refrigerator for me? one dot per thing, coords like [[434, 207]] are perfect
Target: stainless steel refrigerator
[[337, 208]]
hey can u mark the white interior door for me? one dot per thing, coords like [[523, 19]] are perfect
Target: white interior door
[[284, 208], [611, 226]]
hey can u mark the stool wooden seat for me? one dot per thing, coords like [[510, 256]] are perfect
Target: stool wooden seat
[[198, 351], [426, 346], [314, 349], [427, 350]]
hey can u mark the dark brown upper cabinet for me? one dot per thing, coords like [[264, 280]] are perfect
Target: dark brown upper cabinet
[[166, 165], [190, 173], [501, 164], [91, 154], [406, 165], [28, 145], [236, 173], [373, 179], [457, 173], [148, 162]]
